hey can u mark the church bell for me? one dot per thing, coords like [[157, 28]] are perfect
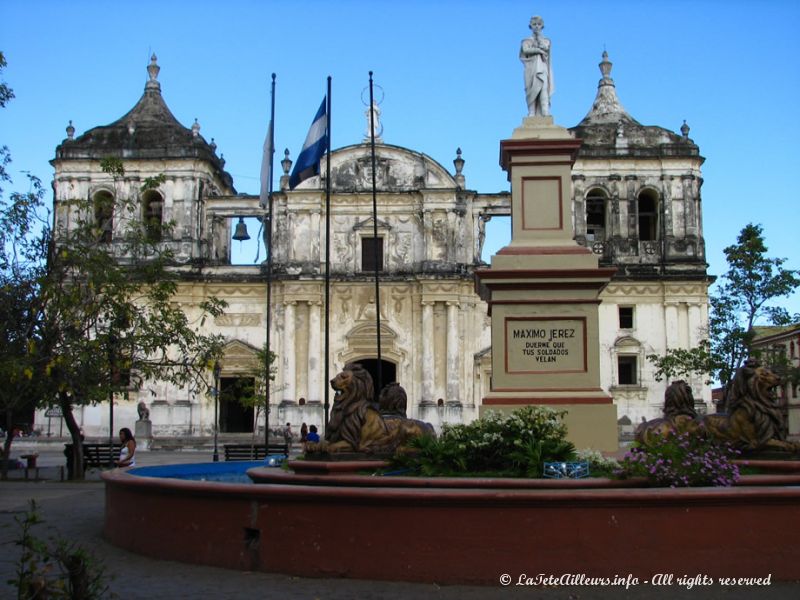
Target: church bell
[[240, 235]]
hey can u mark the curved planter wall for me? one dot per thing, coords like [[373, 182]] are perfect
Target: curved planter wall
[[453, 535]]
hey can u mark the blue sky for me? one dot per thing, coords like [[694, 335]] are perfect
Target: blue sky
[[451, 78]]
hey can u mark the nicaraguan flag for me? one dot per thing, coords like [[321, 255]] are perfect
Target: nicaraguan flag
[[266, 174], [307, 164]]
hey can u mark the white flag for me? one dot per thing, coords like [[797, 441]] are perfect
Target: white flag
[[266, 174]]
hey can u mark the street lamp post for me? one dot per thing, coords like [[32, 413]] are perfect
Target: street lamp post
[[217, 370], [112, 339]]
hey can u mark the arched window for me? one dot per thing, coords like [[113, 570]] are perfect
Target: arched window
[[104, 216], [629, 356], [647, 206], [596, 215], [153, 211]]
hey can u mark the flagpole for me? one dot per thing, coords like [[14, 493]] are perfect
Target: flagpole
[[375, 238], [326, 355], [269, 270]]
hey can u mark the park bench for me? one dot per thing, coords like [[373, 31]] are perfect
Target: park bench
[[253, 451], [94, 455]]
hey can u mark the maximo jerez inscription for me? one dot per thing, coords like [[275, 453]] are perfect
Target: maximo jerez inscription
[[547, 345]]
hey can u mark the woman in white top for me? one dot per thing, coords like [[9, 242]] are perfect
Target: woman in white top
[[127, 454]]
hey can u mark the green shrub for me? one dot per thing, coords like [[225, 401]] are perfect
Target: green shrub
[[515, 445]]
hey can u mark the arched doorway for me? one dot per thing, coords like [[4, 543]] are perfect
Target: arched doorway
[[388, 372], [235, 417]]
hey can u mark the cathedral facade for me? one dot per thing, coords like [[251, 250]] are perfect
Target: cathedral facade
[[636, 204]]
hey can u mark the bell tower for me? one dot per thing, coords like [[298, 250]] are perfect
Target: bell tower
[[150, 142]]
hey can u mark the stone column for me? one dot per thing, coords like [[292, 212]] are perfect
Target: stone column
[[453, 354], [683, 325], [689, 202], [631, 227], [671, 324], [289, 368], [314, 241], [695, 324], [427, 229], [314, 351], [427, 352]]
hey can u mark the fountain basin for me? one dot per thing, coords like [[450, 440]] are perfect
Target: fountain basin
[[467, 531]]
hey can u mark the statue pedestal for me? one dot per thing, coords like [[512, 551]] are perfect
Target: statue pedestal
[[143, 434], [543, 292]]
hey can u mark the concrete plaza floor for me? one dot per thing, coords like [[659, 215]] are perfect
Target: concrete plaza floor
[[75, 511]]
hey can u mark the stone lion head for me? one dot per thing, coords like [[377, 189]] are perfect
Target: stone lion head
[[763, 381], [751, 392], [393, 400], [353, 383], [679, 400], [752, 383], [354, 394]]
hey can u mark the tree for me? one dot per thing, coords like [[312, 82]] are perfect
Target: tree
[[681, 363], [19, 278], [22, 246], [108, 320], [84, 318], [744, 296]]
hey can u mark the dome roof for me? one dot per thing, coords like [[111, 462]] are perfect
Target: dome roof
[[608, 129], [148, 130]]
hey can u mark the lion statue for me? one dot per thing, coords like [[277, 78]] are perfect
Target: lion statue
[[393, 402], [679, 415], [753, 420], [355, 425]]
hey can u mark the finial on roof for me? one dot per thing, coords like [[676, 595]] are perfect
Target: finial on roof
[[195, 128], [286, 164], [458, 162], [71, 130], [221, 161], [152, 71], [606, 108], [684, 130], [605, 67], [213, 145]]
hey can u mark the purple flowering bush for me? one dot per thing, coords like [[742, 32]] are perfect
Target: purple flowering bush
[[682, 460]]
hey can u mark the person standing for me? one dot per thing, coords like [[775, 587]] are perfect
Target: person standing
[[287, 435], [303, 433]]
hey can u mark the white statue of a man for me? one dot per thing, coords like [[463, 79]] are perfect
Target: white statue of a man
[[535, 56]]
